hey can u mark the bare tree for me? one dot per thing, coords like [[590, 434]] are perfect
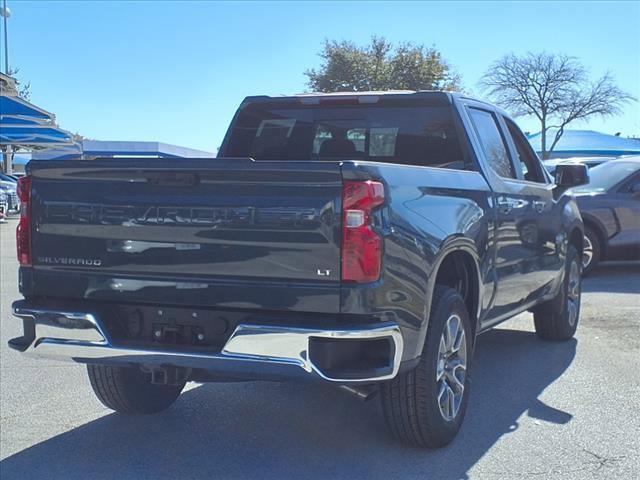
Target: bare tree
[[553, 88], [24, 89]]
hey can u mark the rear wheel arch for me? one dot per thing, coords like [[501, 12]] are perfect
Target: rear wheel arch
[[577, 239], [459, 270], [594, 226], [457, 267]]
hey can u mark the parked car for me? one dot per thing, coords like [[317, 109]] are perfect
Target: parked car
[[8, 178], [590, 162], [610, 209], [13, 202], [361, 240], [3, 206]]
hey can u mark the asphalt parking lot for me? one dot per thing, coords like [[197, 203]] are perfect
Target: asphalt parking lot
[[537, 410]]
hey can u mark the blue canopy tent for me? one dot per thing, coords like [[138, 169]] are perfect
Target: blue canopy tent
[[18, 120], [16, 106], [25, 126], [32, 135]]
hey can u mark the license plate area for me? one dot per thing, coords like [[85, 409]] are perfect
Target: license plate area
[[167, 327]]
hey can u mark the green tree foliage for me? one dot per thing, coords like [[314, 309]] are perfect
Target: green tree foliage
[[347, 67]]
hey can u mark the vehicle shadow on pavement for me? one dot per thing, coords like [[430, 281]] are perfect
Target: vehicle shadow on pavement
[[271, 430]]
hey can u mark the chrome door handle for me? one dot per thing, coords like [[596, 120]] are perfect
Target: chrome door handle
[[504, 204], [518, 203]]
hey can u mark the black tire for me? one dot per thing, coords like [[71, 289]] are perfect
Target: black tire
[[129, 390], [556, 320], [593, 240], [410, 401]]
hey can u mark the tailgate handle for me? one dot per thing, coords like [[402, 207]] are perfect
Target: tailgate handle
[[173, 179]]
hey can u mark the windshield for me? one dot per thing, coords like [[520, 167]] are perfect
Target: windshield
[[606, 175], [409, 135]]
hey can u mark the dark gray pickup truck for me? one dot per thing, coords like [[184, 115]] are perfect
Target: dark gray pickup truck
[[361, 240]]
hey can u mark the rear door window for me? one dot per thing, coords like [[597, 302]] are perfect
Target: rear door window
[[527, 162], [493, 144]]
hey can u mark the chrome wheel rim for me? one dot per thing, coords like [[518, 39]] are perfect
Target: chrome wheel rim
[[587, 252], [451, 370], [573, 293]]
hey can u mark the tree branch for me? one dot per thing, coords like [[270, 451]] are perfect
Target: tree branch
[[549, 86]]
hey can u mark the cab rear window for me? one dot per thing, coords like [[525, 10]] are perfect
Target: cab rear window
[[424, 135]]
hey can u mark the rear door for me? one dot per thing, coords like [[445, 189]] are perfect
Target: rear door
[[517, 208]]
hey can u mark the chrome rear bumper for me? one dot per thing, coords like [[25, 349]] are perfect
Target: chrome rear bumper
[[253, 350]]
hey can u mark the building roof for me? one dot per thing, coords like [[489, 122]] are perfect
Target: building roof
[[587, 143], [101, 148]]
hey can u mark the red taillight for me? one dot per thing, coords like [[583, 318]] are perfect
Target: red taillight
[[361, 246], [23, 232]]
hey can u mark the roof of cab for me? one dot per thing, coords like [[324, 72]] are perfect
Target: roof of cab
[[387, 93]]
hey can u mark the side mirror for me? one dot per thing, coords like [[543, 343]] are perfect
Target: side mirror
[[635, 190], [570, 175]]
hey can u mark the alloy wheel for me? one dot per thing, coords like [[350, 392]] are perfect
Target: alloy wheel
[[452, 367], [587, 252], [573, 292]]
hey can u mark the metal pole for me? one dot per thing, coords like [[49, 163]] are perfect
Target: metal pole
[[5, 159], [6, 38], [8, 156]]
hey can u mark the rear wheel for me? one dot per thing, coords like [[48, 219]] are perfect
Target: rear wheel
[[129, 390], [425, 406], [557, 319]]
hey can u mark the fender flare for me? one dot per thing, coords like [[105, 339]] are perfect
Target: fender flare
[[592, 222], [451, 245]]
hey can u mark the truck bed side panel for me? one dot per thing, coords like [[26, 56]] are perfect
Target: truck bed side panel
[[428, 212]]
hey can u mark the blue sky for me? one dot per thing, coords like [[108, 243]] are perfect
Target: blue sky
[[176, 71]]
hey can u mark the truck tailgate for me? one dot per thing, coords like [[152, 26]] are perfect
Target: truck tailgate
[[211, 232]]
